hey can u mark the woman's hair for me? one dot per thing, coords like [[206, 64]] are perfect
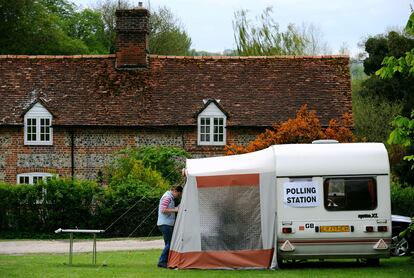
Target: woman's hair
[[177, 188]]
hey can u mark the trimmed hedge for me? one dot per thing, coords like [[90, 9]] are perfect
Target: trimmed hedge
[[30, 211], [38, 210]]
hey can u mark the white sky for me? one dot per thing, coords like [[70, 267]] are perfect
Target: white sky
[[209, 22]]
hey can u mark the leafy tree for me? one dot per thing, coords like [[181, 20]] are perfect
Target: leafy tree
[[266, 38], [403, 67], [403, 134], [107, 9], [373, 116], [168, 161], [87, 26], [304, 128], [166, 35], [394, 82], [35, 27]]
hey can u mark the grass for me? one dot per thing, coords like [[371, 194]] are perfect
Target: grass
[[143, 264]]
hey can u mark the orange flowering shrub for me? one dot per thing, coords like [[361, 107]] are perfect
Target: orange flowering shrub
[[304, 128]]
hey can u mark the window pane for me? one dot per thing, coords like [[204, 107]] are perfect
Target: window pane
[[350, 194], [215, 121], [207, 121], [24, 180], [221, 138], [203, 121], [42, 122], [207, 137], [221, 121], [47, 137], [207, 129], [203, 138], [31, 129], [202, 129], [215, 129], [215, 137]]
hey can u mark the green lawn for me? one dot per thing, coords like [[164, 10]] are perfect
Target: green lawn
[[143, 264]]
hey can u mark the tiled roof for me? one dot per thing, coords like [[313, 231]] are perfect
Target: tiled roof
[[254, 91]]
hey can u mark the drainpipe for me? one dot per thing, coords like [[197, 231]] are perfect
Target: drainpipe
[[72, 153]]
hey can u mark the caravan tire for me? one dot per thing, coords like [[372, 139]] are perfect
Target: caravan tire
[[280, 263], [373, 262]]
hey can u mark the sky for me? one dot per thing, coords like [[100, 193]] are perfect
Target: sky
[[341, 22]]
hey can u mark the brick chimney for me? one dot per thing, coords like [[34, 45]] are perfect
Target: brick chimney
[[132, 38]]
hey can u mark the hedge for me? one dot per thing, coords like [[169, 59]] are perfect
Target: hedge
[[402, 199], [37, 210]]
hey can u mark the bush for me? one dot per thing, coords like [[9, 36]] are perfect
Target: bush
[[127, 171], [373, 116], [304, 128], [167, 160], [402, 199], [37, 210]]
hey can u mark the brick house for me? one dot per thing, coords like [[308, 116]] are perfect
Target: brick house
[[68, 114]]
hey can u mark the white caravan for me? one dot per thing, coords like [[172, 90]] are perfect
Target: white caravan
[[287, 202]]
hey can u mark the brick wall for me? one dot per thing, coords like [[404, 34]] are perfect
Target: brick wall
[[94, 147]]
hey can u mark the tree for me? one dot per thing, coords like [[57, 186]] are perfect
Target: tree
[[266, 38], [403, 133], [314, 40], [166, 34], [393, 50], [404, 65], [107, 10], [36, 27], [88, 26], [304, 128]]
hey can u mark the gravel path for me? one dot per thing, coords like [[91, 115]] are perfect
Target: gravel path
[[62, 246]]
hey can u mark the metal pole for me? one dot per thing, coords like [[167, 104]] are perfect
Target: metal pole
[[94, 249], [70, 248]]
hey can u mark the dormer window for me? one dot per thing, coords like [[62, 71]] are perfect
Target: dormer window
[[212, 125], [37, 126]]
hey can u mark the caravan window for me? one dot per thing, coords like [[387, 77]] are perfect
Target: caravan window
[[350, 193]]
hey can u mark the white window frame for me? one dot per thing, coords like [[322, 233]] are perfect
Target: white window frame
[[211, 112], [38, 113], [31, 176]]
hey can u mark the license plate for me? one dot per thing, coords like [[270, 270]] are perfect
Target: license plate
[[334, 229]]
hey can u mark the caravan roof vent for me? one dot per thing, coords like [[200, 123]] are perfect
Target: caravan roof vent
[[325, 141]]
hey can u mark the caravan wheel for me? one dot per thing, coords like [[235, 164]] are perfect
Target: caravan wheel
[[373, 262]]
